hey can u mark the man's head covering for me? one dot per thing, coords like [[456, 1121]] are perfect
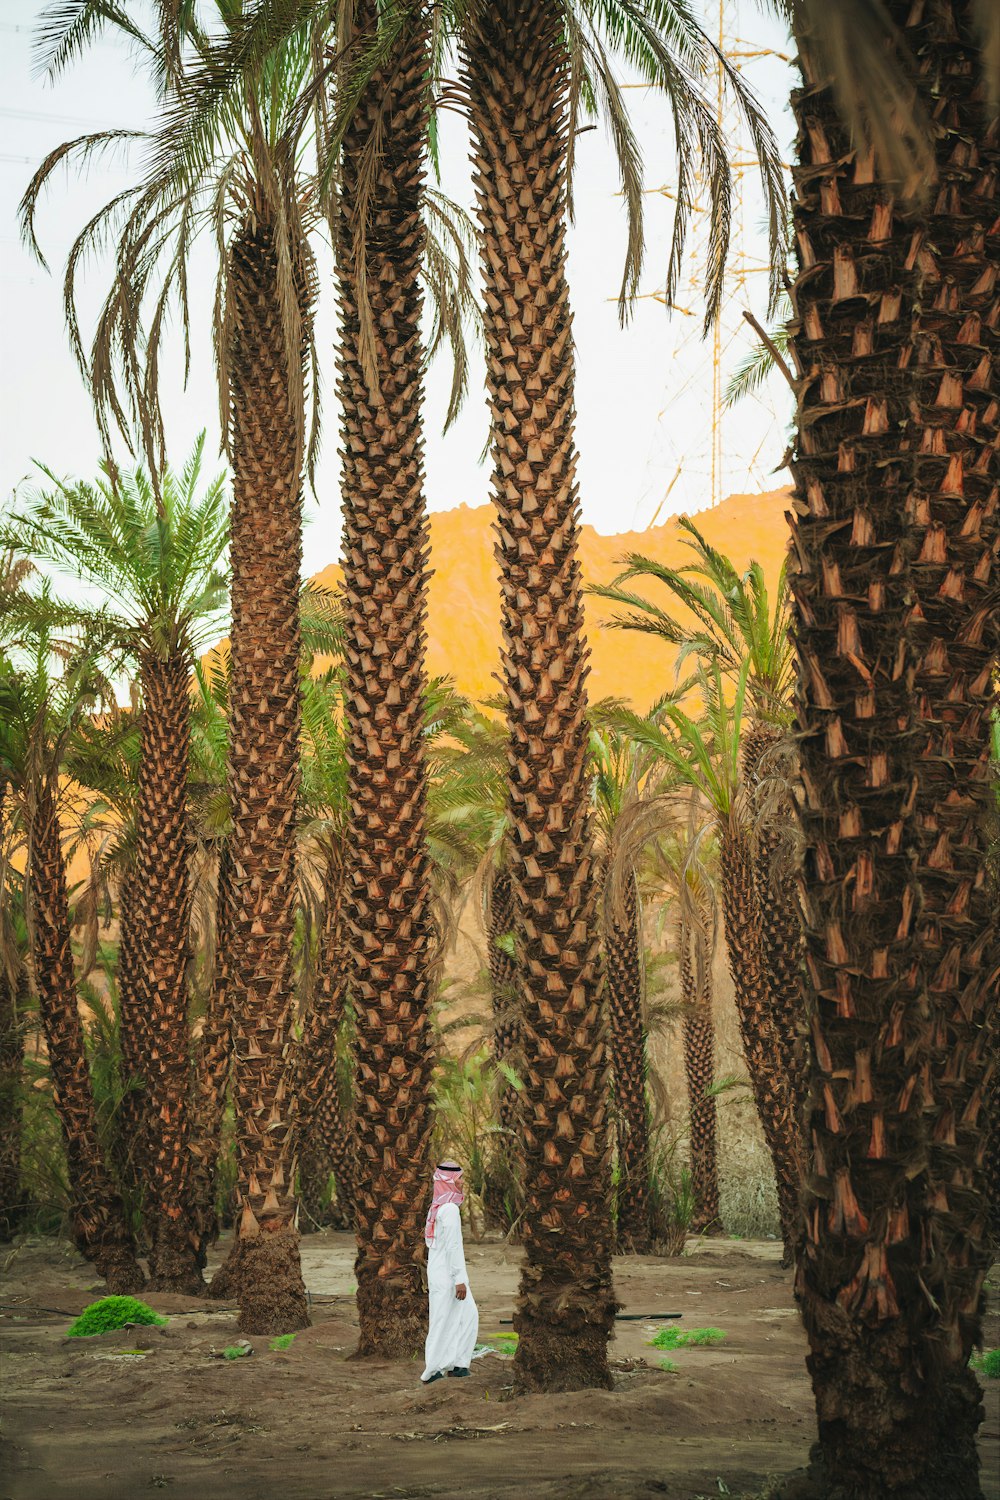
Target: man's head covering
[[448, 1188]]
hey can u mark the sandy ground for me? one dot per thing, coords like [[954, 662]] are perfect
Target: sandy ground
[[105, 1420]]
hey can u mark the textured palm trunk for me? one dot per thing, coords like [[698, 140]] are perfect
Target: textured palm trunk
[[163, 897], [623, 964], [778, 904], [699, 1068], [326, 1137], [263, 775], [210, 1085], [894, 570], [134, 1039], [97, 1213], [11, 1086], [385, 606], [517, 75], [502, 1178], [761, 1047]]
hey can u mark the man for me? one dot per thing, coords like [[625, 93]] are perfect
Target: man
[[454, 1316]]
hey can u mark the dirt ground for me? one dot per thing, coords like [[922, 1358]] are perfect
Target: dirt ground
[[107, 1420]]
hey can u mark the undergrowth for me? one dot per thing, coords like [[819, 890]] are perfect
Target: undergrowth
[[110, 1313], [686, 1338]]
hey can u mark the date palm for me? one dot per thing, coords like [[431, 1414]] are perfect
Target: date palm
[[706, 755], [894, 581], [687, 866], [716, 612], [238, 170], [36, 713], [155, 560], [528, 69]]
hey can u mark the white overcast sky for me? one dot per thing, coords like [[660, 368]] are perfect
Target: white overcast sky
[[644, 394]]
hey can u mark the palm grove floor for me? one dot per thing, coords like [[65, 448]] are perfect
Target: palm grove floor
[[98, 1420]]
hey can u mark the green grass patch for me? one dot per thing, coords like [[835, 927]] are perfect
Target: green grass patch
[[283, 1341], [669, 1366], [110, 1313], [987, 1363], [687, 1338], [237, 1351]]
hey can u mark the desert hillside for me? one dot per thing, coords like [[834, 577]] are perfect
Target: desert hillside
[[463, 628]]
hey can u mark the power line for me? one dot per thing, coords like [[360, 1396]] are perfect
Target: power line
[[42, 117]]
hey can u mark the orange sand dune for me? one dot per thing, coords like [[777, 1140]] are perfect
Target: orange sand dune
[[464, 610]]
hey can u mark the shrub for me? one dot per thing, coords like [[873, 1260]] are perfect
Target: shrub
[[988, 1363], [111, 1313], [687, 1338], [669, 1366], [283, 1341]]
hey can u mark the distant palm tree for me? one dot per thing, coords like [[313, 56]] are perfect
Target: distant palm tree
[[36, 712], [705, 754], [156, 560]]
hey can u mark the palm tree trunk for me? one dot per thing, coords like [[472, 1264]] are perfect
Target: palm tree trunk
[[761, 1048], [623, 962], [386, 539], [892, 543], [502, 1176], [326, 1138], [163, 898], [517, 75], [264, 725], [98, 1216], [210, 1084], [699, 1069], [11, 1087], [778, 904], [134, 1038]]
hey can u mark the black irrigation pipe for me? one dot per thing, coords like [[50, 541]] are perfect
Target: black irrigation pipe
[[628, 1318]]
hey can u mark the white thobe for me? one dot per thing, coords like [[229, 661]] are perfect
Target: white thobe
[[454, 1324]]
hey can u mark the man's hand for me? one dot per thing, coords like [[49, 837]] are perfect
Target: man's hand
[[461, 1291]]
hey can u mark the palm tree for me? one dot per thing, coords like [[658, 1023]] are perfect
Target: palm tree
[[687, 866], [730, 616], [326, 1137], [240, 170], [706, 756], [526, 68], [893, 578], [631, 809], [35, 715], [155, 560]]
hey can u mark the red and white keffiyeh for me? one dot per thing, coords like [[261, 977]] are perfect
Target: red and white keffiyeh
[[448, 1188]]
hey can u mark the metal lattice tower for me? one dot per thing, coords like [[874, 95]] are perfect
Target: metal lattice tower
[[715, 450]]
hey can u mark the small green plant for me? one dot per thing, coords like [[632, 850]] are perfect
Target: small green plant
[[111, 1313], [987, 1363], [237, 1351], [669, 1366], [283, 1341], [687, 1338]]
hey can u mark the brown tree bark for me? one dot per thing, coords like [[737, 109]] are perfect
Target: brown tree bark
[[210, 1083], [502, 1180], [162, 897], [97, 1214], [326, 1138], [12, 1199], [761, 1047], [623, 965], [894, 543], [263, 774], [385, 605], [518, 78], [699, 1067]]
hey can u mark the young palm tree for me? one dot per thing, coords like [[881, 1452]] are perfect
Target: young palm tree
[[630, 809], [526, 68], [894, 548], [732, 618], [156, 561], [691, 881], [35, 715], [706, 756]]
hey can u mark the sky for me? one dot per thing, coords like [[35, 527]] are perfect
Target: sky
[[644, 392]]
